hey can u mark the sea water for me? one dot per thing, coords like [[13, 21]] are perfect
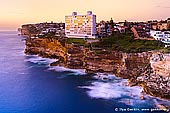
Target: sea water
[[28, 84]]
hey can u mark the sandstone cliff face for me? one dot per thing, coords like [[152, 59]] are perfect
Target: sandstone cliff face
[[102, 61], [44, 47], [160, 63], [75, 56], [148, 69], [158, 82]]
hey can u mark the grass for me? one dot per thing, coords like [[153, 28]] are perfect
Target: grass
[[165, 50], [126, 43], [80, 41]]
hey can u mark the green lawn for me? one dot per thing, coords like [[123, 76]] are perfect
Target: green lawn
[[80, 41]]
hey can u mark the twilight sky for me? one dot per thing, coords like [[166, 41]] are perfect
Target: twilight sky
[[14, 13]]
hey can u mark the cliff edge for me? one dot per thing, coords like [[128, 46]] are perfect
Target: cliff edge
[[148, 69]]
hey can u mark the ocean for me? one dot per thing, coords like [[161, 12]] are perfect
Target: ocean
[[28, 84]]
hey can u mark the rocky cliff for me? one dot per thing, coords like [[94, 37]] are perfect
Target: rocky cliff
[[148, 69], [160, 63], [45, 47]]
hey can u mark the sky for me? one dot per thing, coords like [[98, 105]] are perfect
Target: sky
[[14, 13]]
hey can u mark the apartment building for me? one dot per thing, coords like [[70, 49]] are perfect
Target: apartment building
[[80, 26]]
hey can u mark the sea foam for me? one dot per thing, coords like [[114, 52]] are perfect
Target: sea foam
[[39, 60], [108, 90], [125, 94], [63, 69]]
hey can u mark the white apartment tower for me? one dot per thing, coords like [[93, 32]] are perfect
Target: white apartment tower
[[80, 26]]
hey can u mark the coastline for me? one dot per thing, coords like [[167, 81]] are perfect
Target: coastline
[[109, 90], [133, 66]]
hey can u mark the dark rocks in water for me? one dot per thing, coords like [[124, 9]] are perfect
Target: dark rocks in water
[[124, 84], [142, 97], [132, 84]]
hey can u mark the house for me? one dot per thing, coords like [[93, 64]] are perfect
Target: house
[[163, 36], [162, 25]]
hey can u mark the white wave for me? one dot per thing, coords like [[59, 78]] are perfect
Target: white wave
[[63, 69], [117, 90], [105, 76], [39, 60], [126, 101], [22, 73], [31, 56], [108, 90]]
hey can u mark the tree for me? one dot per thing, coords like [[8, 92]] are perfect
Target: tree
[[126, 23], [112, 23]]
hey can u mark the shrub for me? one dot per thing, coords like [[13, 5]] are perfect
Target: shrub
[[126, 43]]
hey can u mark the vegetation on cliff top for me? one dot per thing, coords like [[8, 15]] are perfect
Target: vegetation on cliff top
[[80, 41], [126, 43], [118, 42], [32, 29]]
